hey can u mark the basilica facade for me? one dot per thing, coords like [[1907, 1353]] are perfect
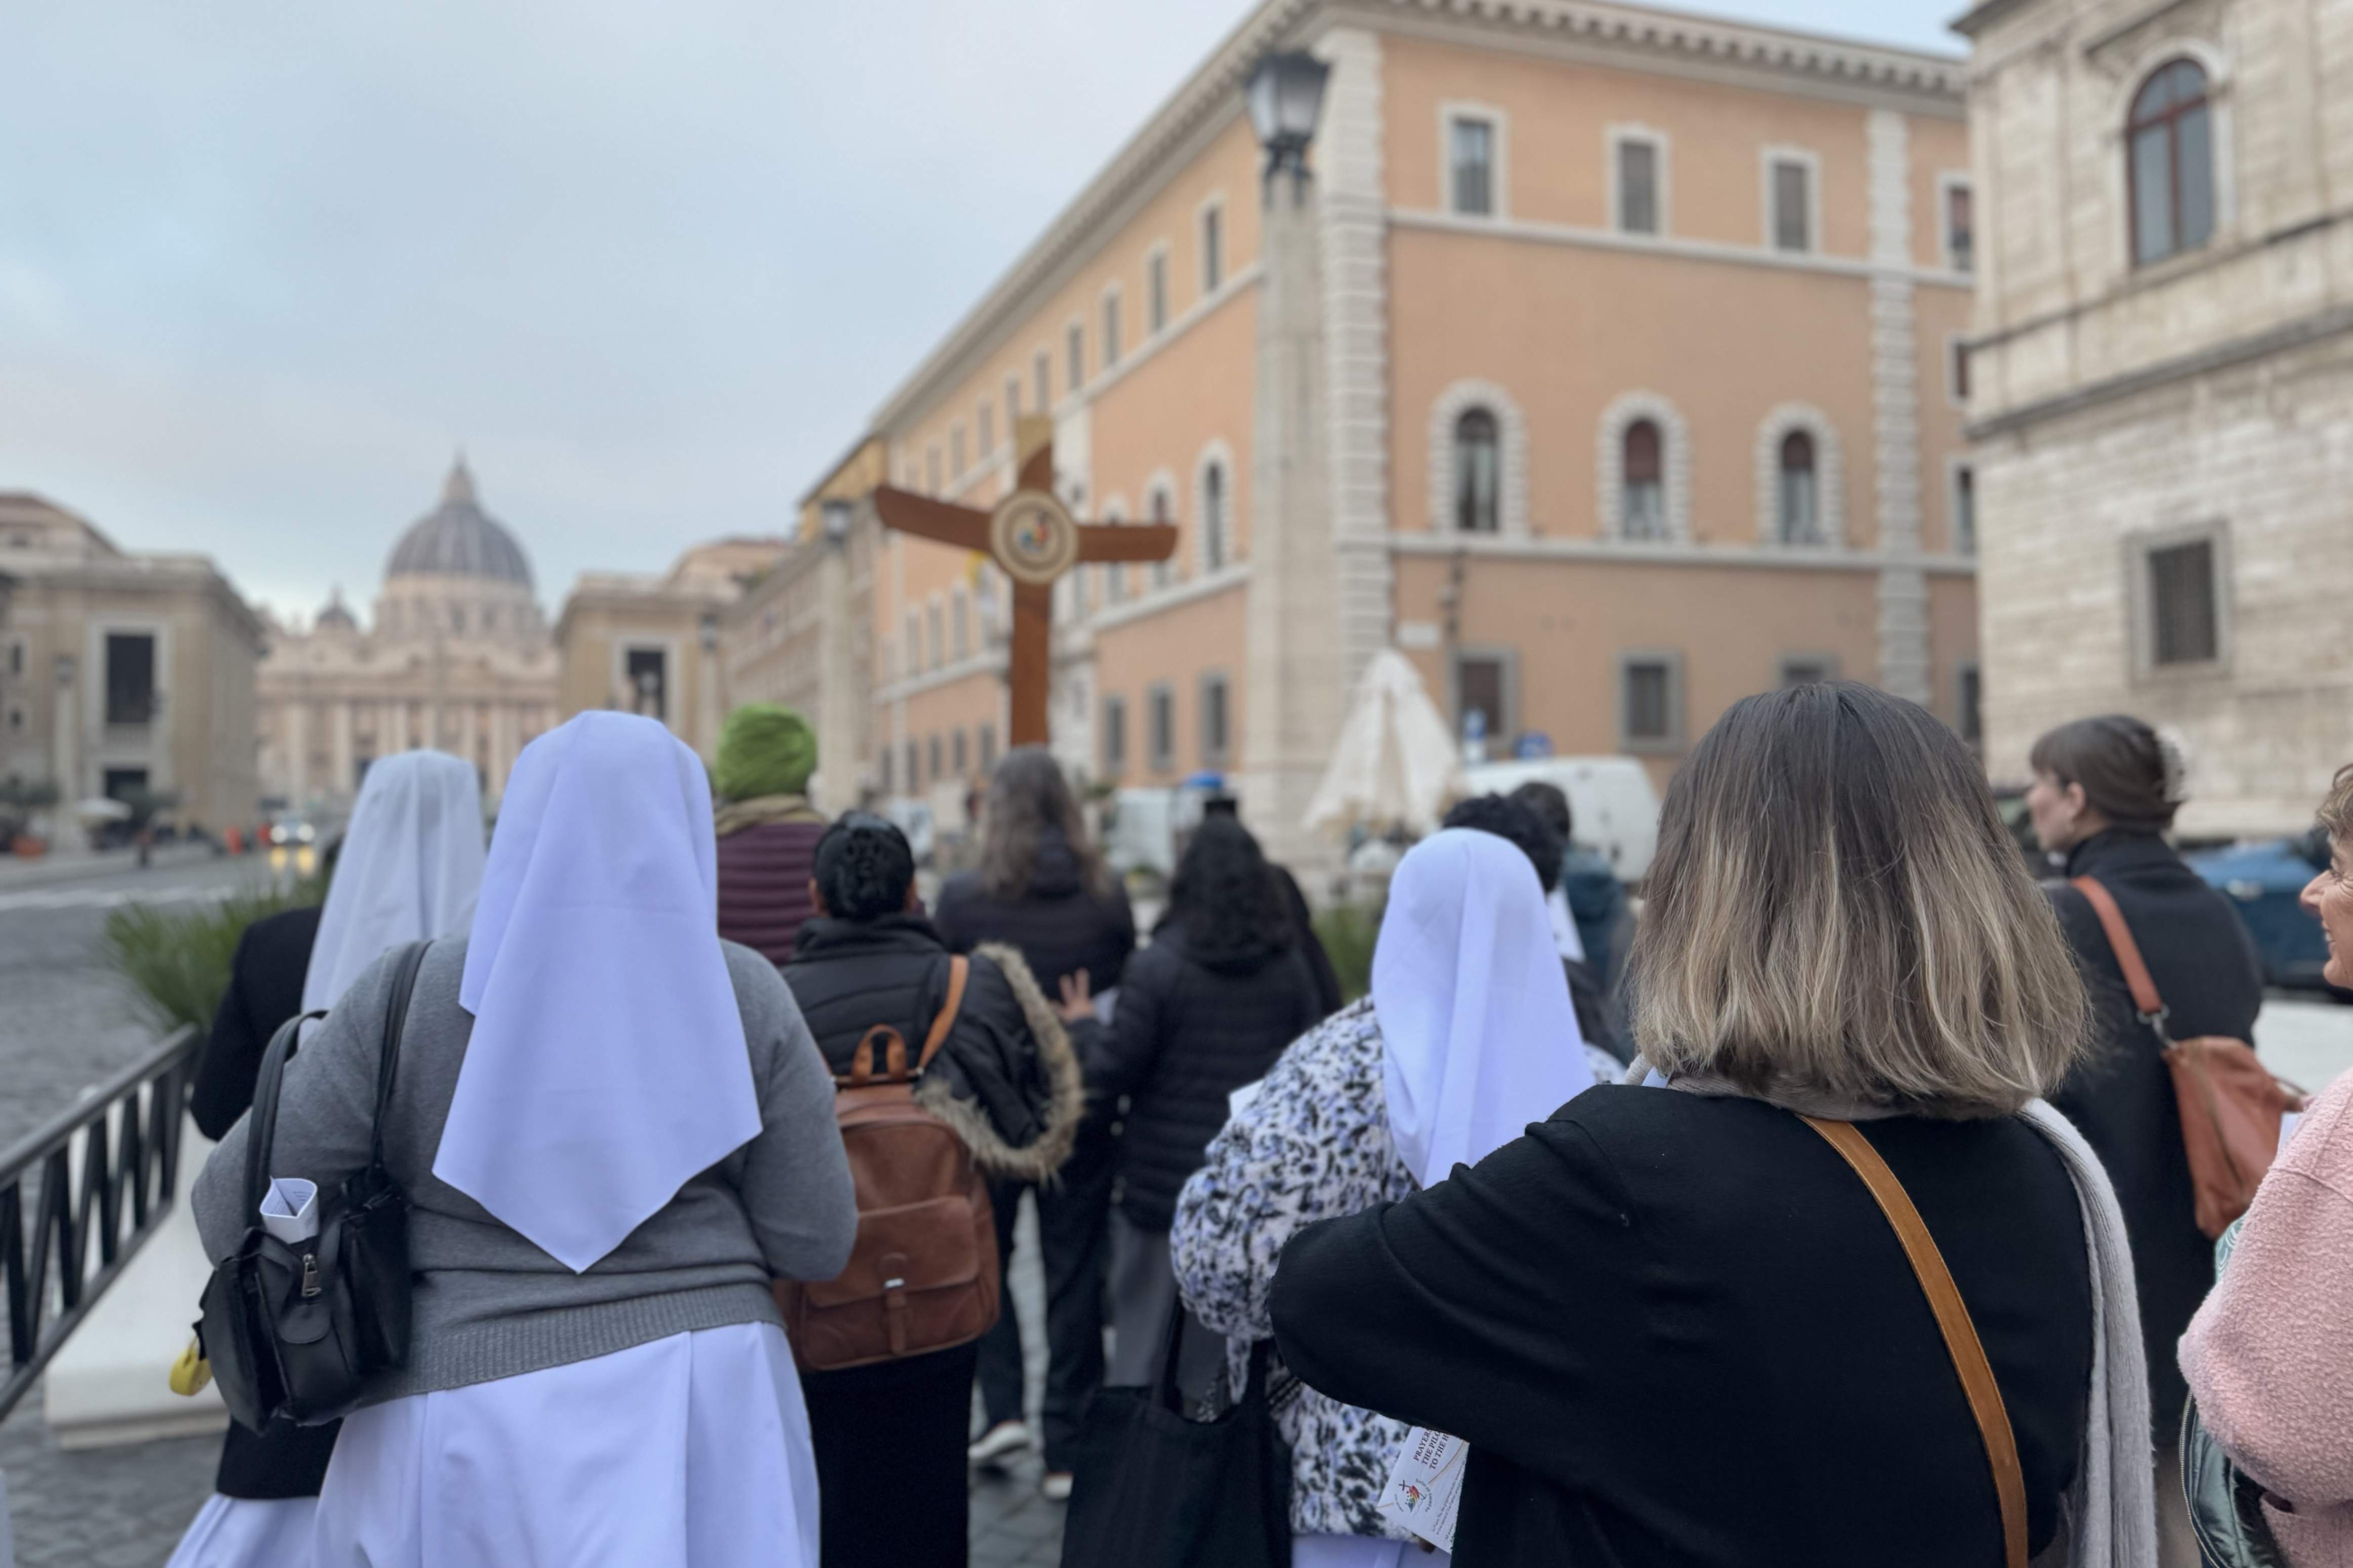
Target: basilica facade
[[458, 657]]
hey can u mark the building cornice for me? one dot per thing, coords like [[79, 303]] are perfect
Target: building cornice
[[1978, 19], [1630, 553], [1628, 37]]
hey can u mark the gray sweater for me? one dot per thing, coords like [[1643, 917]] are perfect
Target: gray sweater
[[489, 1303]]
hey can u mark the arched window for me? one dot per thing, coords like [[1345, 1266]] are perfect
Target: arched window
[[1164, 571], [1800, 511], [1478, 472], [1642, 490], [1213, 516], [2169, 150]]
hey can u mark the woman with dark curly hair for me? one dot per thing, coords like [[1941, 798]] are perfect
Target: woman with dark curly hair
[[889, 1439], [1043, 890], [1207, 1009]]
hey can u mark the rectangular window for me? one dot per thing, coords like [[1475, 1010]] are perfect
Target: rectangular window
[[1960, 356], [1216, 723], [914, 642], [1111, 329], [1961, 229], [1074, 348], [935, 633], [932, 470], [961, 627], [985, 417], [130, 677], [1471, 154], [1160, 720], [932, 756], [1970, 701], [1041, 374], [1965, 510], [888, 770], [955, 453], [1793, 216], [1156, 291], [963, 758], [1013, 408], [1114, 736], [1482, 698], [2185, 623], [914, 768], [1808, 668], [1650, 702], [1213, 250], [1638, 186], [647, 670], [988, 747], [16, 658]]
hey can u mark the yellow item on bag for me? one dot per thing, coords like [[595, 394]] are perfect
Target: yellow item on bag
[[191, 1371]]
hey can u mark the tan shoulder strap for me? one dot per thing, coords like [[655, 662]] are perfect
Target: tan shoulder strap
[[2127, 950], [1953, 1318], [959, 969]]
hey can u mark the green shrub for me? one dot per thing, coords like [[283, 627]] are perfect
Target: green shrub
[[176, 960], [1347, 932]]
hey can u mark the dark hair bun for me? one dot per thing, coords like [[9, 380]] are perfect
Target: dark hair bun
[[864, 867]]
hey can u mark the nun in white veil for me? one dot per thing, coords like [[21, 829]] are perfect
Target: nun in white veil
[[1468, 1036], [409, 868], [614, 1133]]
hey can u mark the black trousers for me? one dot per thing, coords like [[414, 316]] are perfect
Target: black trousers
[[1073, 1221], [890, 1439]]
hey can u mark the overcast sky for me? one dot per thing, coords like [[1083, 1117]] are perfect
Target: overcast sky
[[264, 265]]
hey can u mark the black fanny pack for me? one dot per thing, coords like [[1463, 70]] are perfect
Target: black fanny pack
[[295, 1329]]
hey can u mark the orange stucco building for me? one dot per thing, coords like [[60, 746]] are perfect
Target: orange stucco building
[[1607, 366]]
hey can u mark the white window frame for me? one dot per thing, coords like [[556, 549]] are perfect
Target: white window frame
[[1222, 456], [1041, 377], [1222, 755], [1672, 741], [1767, 158], [1499, 182], [1205, 285], [1660, 146], [984, 431], [1674, 467], [2138, 547], [1167, 572], [1110, 326], [1512, 455], [1159, 298], [959, 463], [960, 628], [936, 630], [1012, 407], [1949, 181], [1955, 466], [1075, 355], [1830, 474], [1158, 762]]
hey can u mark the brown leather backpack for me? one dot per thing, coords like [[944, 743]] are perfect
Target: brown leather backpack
[[2231, 1104], [924, 1273]]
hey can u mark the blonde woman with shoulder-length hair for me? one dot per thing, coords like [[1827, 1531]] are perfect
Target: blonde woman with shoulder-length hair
[[1672, 1322]]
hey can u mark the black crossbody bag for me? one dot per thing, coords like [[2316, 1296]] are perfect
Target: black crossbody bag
[[294, 1330]]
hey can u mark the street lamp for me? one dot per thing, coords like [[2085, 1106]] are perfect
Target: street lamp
[[1286, 95]]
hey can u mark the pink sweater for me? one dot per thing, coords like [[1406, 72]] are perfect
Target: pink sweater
[[2270, 1355]]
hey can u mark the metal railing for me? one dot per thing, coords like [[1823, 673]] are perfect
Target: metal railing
[[86, 1182]]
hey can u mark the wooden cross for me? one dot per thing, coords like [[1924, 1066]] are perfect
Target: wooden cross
[[1033, 539]]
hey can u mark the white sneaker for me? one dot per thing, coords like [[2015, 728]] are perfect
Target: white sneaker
[[998, 1443], [1056, 1487]]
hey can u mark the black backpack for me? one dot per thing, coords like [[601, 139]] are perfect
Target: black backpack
[[294, 1330]]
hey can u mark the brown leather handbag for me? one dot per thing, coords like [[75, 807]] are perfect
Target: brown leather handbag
[[1961, 1341], [924, 1273], [2231, 1104]]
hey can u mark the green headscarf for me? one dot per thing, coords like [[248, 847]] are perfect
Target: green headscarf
[[764, 748]]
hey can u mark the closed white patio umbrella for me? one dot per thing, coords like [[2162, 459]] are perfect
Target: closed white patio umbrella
[[1396, 763]]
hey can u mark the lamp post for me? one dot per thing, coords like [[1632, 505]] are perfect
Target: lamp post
[[1286, 96]]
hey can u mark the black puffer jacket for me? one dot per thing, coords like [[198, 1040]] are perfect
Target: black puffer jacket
[[1058, 926], [1186, 1036], [2204, 964], [1005, 1080]]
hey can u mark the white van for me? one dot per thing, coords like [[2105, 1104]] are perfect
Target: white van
[[1616, 810]]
